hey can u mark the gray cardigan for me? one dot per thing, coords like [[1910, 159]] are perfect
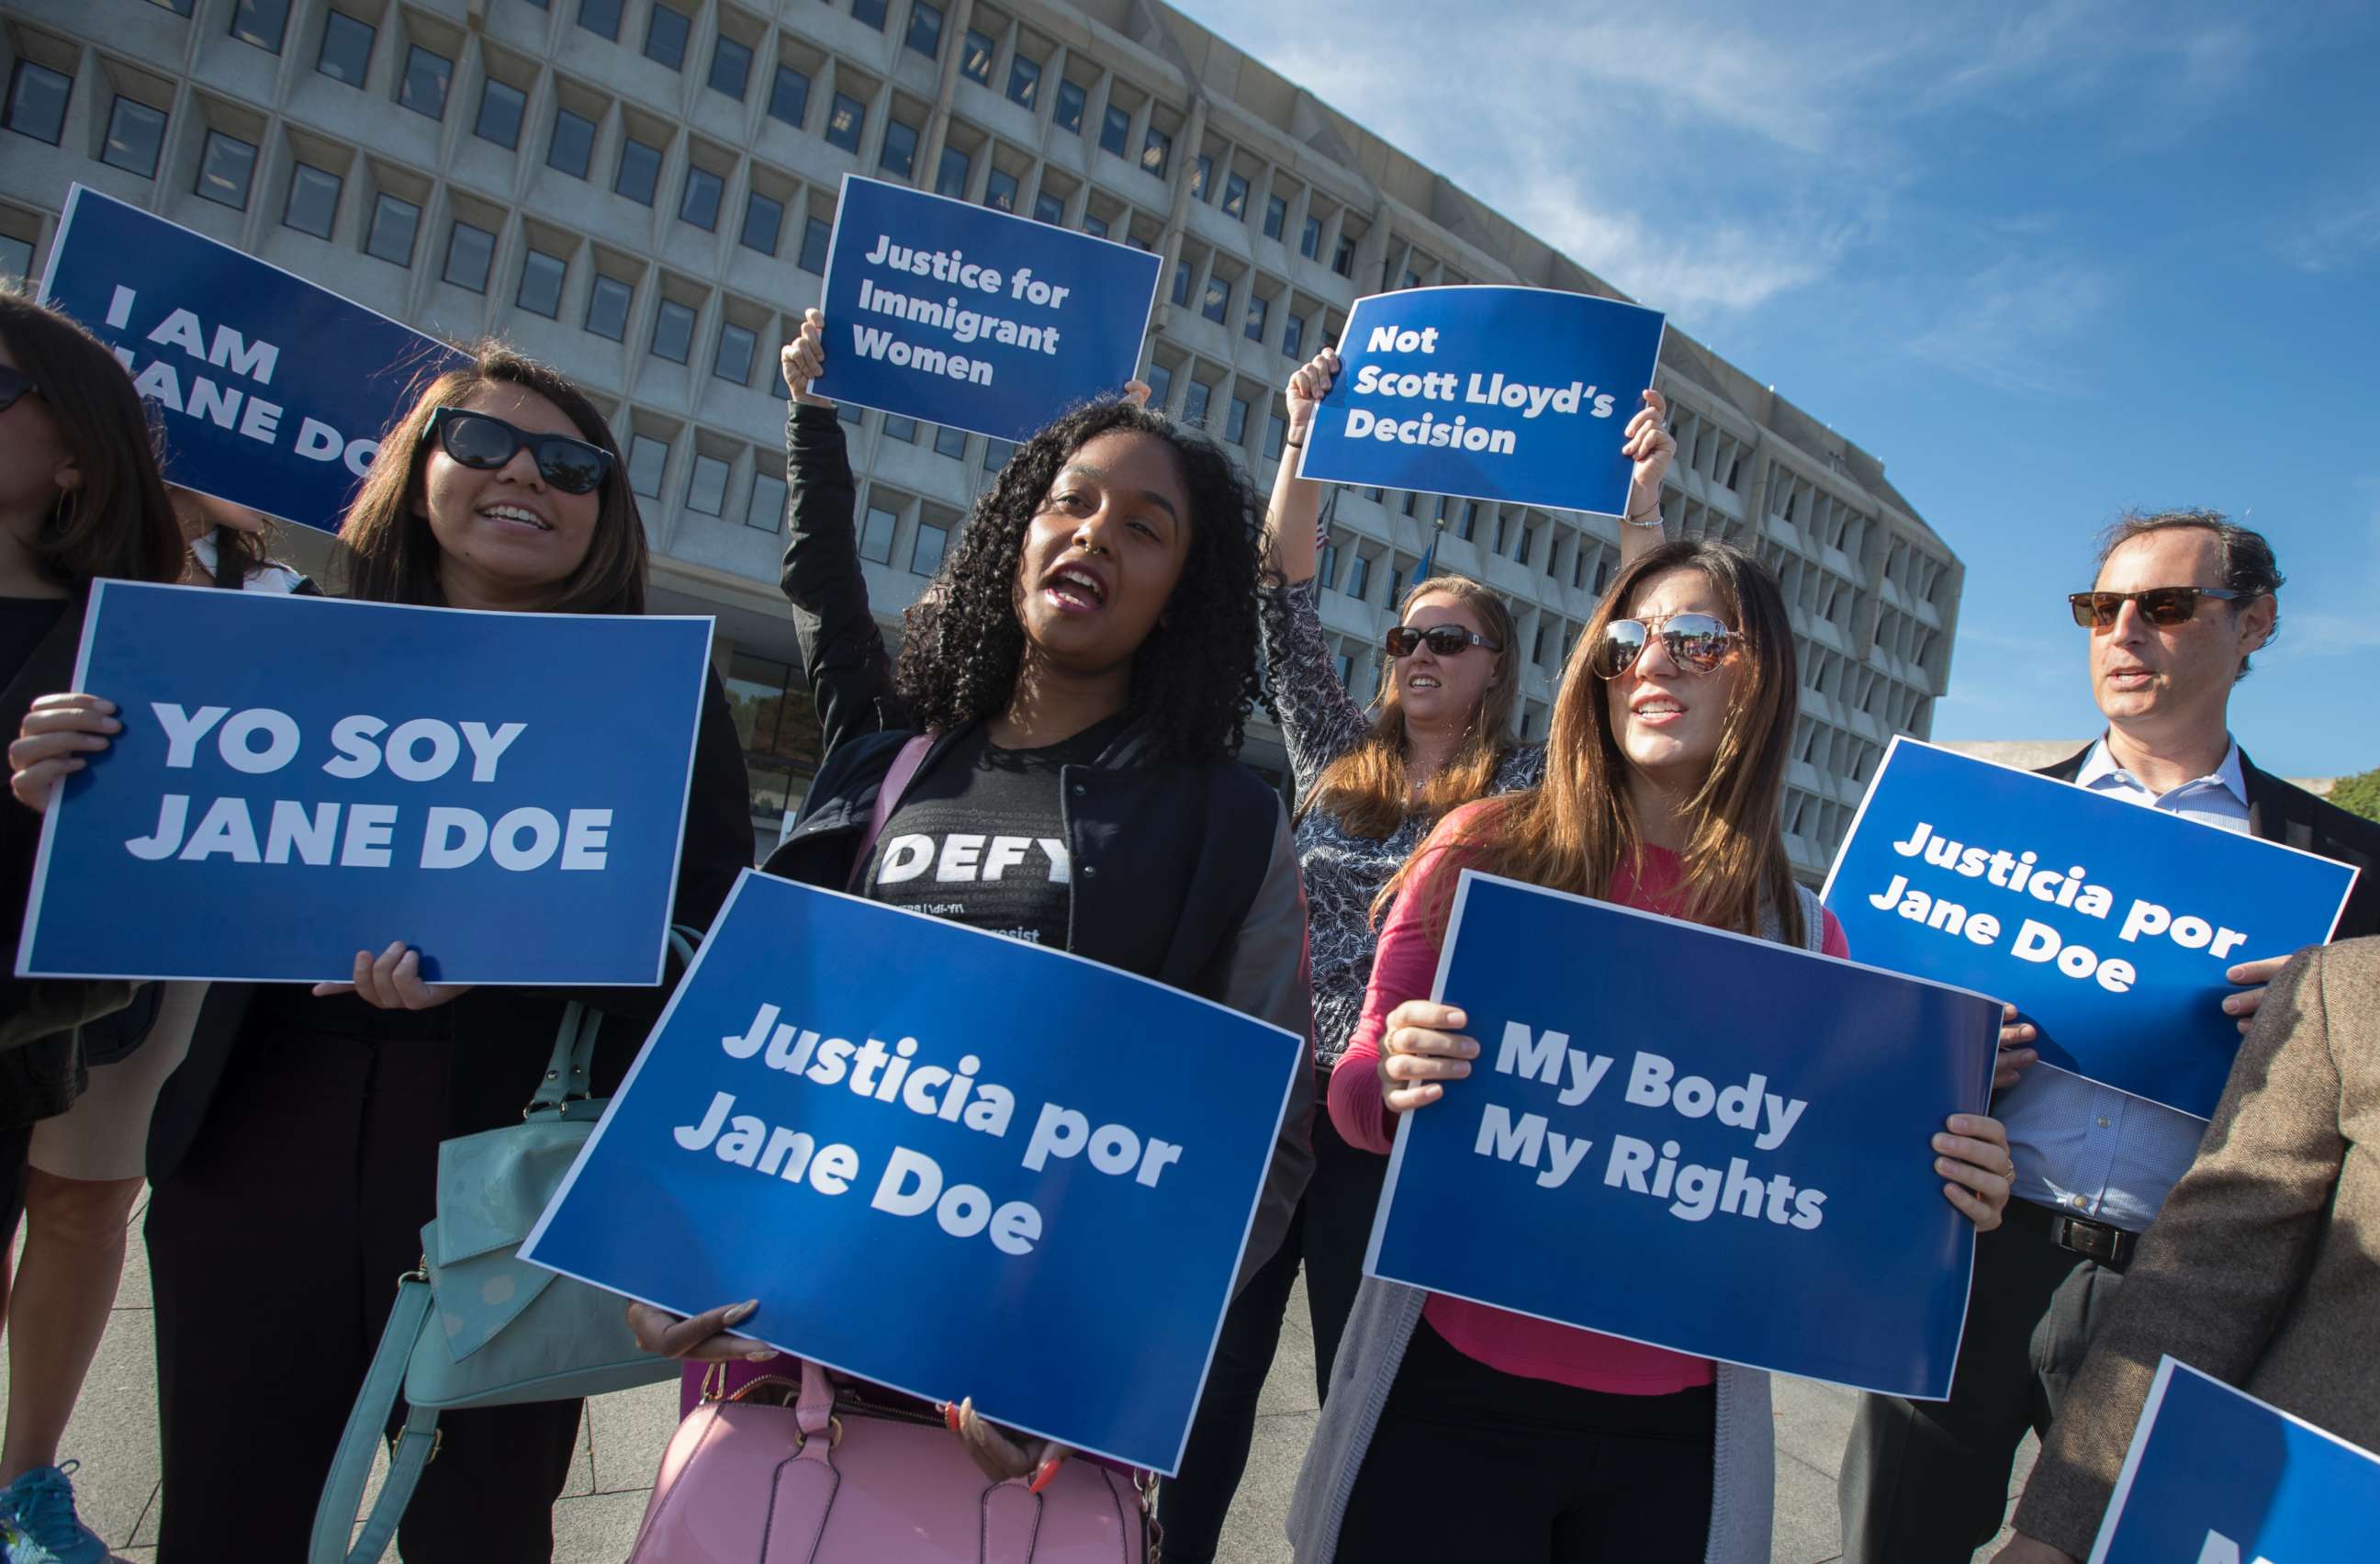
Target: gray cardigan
[[1744, 1456]]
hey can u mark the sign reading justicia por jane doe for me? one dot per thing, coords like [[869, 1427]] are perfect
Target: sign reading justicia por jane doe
[[960, 315]]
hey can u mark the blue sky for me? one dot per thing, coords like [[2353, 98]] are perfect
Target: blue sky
[[2047, 261]]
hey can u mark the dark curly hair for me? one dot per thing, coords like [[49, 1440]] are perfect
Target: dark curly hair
[[1193, 683]]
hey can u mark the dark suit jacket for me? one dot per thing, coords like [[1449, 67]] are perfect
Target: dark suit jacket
[[2293, 817]]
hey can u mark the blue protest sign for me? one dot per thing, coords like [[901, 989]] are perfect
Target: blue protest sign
[[273, 392], [1514, 394], [299, 778], [2108, 925], [953, 312], [2216, 1476], [1730, 1160], [945, 1161]]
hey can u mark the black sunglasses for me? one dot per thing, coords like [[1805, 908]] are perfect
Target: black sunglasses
[[2162, 606], [14, 382], [1695, 642], [485, 441], [1443, 640]]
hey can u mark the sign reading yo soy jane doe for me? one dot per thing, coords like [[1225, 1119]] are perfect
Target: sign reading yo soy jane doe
[[2108, 925], [1514, 394], [943, 1160], [948, 312], [273, 392], [299, 778]]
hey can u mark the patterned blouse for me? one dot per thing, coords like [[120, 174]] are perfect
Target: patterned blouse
[[1319, 722]]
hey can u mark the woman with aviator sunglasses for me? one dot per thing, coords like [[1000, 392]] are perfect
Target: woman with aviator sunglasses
[[1664, 779], [1370, 784], [298, 1141]]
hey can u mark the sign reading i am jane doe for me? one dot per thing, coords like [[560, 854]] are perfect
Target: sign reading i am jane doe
[[2216, 1476], [273, 392], [948, 312], [1696, 1140], [299, 778], [2108, 925], [945, 1161], [1517, 394]]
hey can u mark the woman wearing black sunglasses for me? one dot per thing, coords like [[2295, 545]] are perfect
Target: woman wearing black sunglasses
[[293, 1156]]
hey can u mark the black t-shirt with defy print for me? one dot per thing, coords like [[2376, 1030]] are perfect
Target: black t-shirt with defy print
[[981, 839]]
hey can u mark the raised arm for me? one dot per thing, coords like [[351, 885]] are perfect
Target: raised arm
[[1296, 503], [1651, 447], [1319, 721]]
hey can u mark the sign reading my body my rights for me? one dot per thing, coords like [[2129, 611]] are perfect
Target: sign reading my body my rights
[[299, 778], [943, 1160], [1516, 394], [273, 392], [2216, 1476], [941, 310], [1697, 1139], [2109, 926]]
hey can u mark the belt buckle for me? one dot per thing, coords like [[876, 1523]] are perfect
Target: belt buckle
[[2089, 1240]]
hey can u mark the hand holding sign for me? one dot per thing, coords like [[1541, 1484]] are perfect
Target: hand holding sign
[[1651, 447], [58, 733], [804, 360]]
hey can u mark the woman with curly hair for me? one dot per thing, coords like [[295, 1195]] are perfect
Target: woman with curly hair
[[1052, 757]]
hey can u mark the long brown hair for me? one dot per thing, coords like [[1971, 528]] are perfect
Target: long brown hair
[[118, 521], [1577, 830], [1369, 789], [393, 557]]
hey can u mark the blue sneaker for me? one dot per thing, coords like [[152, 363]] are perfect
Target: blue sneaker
[[38, 1524]]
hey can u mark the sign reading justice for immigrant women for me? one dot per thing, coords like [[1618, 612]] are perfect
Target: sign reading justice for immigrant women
[[952, 312], [1696, 1140], [300, 778], [943, 1160], [1518, 394]]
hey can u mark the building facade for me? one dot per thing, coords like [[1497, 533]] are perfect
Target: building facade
[[640, 191]]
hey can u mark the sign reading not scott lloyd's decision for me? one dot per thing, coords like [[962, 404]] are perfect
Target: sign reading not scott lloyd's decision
[[948, 312], [1517, 394]]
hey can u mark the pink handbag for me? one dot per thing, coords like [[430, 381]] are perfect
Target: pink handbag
[[834, 1480]]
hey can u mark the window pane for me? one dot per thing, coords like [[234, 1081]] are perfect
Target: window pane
[[665, 35], [646, 459], [601, 17], [816, 233], [1276, 214], [226, 170], [734, 359], [1114, 129], [996, 454], [1359, 576], [950, 442], [1309, 242], [1293, 336], [900, 154], [1219, 296], [572, 145], [541, 284], [1160, 384], [424, 88], [876, 538], [1235, 422], [16, 257], [1072, 98], [1202, 177], [975, 63], [313, 200], [699, 205], [763, 219], [926, 551], [607, 313], [1095, 226], [641, 170], [394, 221], [869, 11], [926, 28], [902, 429], [706, 490], [469, 250], [1344, 260], [501, 107], [135, 132], [347, 48], [766, 509], [1049, 208], [1235, 197], [846, 124], [1275, 436], [1194, 402], [789, 96], [672, 332], [951, 179], [730, 67], [1157, 152], [1024, 80], [261, 22], [1181, 283], [1253, 327], [37, 102], [999, 190]]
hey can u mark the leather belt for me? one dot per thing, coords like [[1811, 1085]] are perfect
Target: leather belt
[[2111, 1247]]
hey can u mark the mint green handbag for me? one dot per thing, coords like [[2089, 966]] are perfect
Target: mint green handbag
[[477, 1325]]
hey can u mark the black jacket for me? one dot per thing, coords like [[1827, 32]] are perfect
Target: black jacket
[[1186, 874], [2293, 817]]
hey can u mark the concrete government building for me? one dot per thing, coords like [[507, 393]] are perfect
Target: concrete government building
[[640, 191]]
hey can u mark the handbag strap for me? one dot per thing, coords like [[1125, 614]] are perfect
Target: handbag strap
[[814, 1413], [574, 1043], [887, 798], [335, 1517]]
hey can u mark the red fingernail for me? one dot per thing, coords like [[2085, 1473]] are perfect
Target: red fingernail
[[951, 1415], [1048, 1470]]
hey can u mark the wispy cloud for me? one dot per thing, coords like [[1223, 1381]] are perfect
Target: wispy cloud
[[2340, 236], [2004, 324]]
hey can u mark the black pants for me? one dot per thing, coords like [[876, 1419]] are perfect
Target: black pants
[[1470, 1462], [1927, 1482], [275, 1249], [1329, 1233]]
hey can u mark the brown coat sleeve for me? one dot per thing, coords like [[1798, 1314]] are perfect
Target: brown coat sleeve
[[2233, 1243]]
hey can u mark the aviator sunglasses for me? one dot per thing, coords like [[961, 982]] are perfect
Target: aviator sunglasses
[[487, 441], [1444, 640], [2162, 606], [14, 382], [1695, 642]]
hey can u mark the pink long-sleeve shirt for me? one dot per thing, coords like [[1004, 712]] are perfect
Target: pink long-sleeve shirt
[[1405, 969]]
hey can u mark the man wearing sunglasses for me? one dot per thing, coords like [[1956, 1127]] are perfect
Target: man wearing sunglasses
[[2182, 600]]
